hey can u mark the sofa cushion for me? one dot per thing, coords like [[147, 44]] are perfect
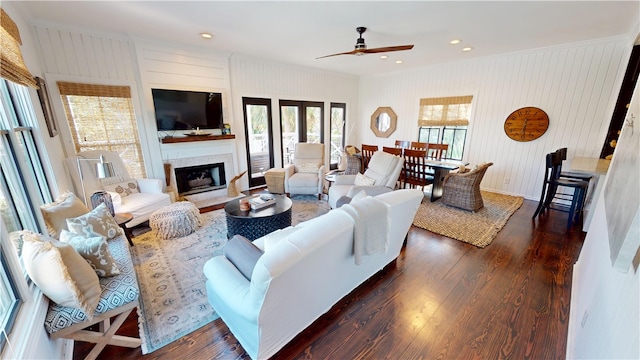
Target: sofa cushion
[[61, 273], [97, 222], [303, 180], [94, 250], [381, 167], [243, 254], [67, 205]]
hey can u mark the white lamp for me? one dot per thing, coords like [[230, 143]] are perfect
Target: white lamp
[[103, 169]]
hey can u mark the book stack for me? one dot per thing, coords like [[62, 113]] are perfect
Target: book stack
[[260, 202]]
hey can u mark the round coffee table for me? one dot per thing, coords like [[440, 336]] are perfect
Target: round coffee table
[[254, 224]]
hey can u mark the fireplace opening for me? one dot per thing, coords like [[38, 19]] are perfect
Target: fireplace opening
[[201, 178]]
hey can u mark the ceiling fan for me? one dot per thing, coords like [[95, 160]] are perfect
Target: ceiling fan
[[361, 48]]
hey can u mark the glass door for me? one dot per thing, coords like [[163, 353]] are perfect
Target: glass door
[[301, 121], [338, 121], [259, 138]]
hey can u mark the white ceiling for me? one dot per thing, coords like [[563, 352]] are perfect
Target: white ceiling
[[298, 32]]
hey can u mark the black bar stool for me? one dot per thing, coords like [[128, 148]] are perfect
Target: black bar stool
[[551, 199]]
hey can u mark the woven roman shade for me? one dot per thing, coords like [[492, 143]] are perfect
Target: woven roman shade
[[12, 66], [101, 117], [445, 111]]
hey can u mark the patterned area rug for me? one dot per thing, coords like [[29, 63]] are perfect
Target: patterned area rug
[[479, 228], [173, 299]]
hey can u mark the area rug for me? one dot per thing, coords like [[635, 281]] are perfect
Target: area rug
[[173, 299], [479, 228]]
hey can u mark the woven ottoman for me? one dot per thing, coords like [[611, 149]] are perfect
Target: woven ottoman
[[175, 220], [275, 180]]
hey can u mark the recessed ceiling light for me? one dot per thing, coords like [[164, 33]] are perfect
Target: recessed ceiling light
[[383, 56], [455, 41], [205, 35], [468, 48], [398, 61]]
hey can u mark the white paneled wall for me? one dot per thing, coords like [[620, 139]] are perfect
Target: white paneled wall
[[577, 85], [252, 77], [164, 66]]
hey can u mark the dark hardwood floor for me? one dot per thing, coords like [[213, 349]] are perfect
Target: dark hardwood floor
[[442, 299]]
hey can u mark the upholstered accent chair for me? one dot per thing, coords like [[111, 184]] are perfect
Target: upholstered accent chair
[[306, 174], [383, 172], [139, 197], [462, 190]]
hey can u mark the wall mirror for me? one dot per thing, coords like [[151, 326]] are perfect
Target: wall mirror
[[383, 121]]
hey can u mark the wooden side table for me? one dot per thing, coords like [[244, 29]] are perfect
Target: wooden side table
[[122, 219]]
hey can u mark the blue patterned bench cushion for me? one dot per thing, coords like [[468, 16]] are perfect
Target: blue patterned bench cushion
[[116, 291]]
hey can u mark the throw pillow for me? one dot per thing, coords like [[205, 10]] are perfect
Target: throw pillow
[[462, 169], [307, 167], [272, 239], [61, 273], [124, 188], [94, 250], [17, 239], [362, 180], [353, 165], [97, 222], [67, 205], [243, 254]]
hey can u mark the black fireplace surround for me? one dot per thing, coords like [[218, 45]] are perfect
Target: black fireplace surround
[[201, 178]]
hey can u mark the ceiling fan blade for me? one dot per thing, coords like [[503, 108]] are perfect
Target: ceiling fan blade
[[387, 49], [352, 52]]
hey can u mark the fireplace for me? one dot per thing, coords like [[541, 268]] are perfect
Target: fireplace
[[200, 178]]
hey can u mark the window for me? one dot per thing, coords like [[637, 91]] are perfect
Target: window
[[444, 121], [337, 126], [23, 186], [101, 117]]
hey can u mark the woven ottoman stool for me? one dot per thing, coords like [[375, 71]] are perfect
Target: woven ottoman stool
[[275, 180], [176, 220]]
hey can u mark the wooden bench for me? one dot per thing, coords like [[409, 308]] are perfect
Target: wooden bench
[[118, 298]]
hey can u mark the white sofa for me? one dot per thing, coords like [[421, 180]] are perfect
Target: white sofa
[[303, 272], [141, 205]]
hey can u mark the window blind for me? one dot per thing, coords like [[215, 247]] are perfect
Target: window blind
[[445, 111], [12, 66], [101, 117]]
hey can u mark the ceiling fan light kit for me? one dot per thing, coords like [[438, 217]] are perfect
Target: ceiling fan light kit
[[361, 47]]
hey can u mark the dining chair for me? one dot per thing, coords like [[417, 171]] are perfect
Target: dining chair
[[570, 199], [403, 144], [417, 145], [367, 153], [416, 169], [392, 150], [437, 151]]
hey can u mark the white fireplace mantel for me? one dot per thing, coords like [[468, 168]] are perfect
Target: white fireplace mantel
[[199, 153]]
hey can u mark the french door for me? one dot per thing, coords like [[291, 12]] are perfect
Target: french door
[[336, 129], [301, 121], [259, 138]]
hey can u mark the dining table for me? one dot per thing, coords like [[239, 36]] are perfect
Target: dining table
[[440, 170]]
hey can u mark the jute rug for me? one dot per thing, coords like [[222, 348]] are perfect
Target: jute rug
[[479, 228], [173, 299]]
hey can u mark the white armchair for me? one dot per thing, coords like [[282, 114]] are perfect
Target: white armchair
[[384, 168], [139, 204], [306, 174]]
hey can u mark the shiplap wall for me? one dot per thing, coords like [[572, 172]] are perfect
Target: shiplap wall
[[252, 77], [577, 85], [163, 66]]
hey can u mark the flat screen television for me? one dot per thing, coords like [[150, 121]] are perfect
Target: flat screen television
[[187, 110]]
